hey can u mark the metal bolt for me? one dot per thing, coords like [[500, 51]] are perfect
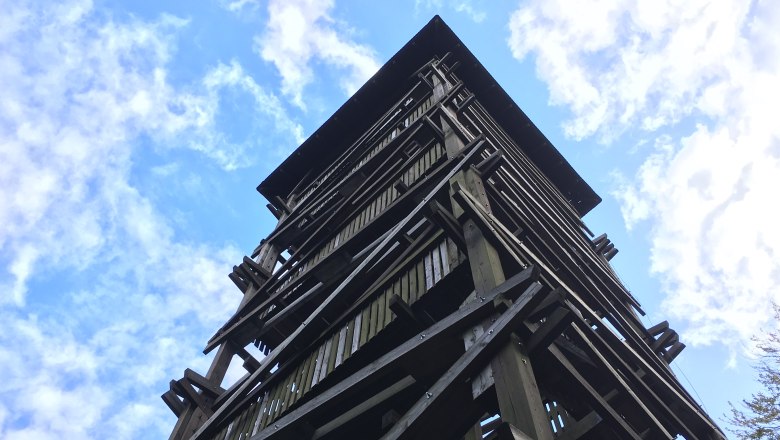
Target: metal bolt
[[422, 336], [490, 332], [428, 395]]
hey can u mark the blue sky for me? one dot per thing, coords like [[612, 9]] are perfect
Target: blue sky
[[133, 134]]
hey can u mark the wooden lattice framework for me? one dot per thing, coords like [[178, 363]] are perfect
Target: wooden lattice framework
[[430, 277]]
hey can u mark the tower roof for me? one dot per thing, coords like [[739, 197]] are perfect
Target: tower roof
[[380, 92]]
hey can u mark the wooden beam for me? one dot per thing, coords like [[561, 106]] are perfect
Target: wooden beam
[[490, 164], [623, 383], [637, 353], [576, 429], [405, 313], [581, 427], [205, 385], [596, 399], [451, 326], [445, 220], [174, 403], [519, 399], [364, 406], [674, 351], [428, 407], [306, 329], [184, 388], [552, 327]]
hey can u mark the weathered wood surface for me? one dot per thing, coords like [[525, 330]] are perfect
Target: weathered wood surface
[[357, 252]]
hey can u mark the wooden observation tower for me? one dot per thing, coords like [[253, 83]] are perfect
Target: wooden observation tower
[[430, 277]]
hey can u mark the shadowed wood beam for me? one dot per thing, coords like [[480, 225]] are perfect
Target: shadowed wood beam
[[229, 408], [364, 406], [636, 353], [507, 431], [432, 407], [414, 348]]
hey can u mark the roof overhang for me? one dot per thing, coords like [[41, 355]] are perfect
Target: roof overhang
[[373, 99]]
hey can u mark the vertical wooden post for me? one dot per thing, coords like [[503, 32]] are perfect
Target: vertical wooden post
[[519, 401]]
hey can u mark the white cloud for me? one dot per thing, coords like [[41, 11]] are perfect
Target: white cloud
[[240, 5], [302, 32], [84, 95], [476, 14], [707, 194]]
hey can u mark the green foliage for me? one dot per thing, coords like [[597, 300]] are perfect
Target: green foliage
[[760, 418]]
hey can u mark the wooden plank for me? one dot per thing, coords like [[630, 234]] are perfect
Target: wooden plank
[[443, 253], [289, 395], [248, 388], [356, 333], [433, 406], [251, 426], [517, 392], [575, 430], [413, 284], [364, 406], [303, 377], [223, 433], [388, 313], [373, 311], [596, 399], [325, 359], [263, 415], [451, 326], [365, 324], [552, 327], [238, 425], [228, 431], [381, 302], [275, 401], [173, 402], [334, 345], [269, 403], [342, 346], [436, 263], [623, 386], [421, 289], [184, 387], [310, 369], [300, 375], [205, 385], [284, 395], [428, 271], [318, 365], [405, 286], [404, 312]]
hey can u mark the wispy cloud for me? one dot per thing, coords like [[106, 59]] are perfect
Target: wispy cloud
[[84, 97], [240, 5], [707, 193], [467, 7], [302, 32]]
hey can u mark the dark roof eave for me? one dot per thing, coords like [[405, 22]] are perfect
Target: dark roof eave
[[352, 118]]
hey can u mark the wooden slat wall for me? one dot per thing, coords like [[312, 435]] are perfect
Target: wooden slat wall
[[433, 265], [362, 218], [406, 122]]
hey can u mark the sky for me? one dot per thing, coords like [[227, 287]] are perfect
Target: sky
[[133, 135]]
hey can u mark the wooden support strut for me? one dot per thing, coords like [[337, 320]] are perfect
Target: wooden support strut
[[306, 327], [494, 226], [431, 407], [414, 348], [515, 385]]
